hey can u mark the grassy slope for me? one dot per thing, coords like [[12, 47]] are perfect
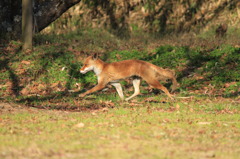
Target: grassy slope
[[54, 64], [45, 121]]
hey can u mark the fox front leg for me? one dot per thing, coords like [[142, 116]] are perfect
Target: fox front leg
[[82, 95], [136, 85], [101, 84], [94, 89]]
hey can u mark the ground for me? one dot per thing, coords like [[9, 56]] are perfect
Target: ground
[[149, 126], [41, 115]]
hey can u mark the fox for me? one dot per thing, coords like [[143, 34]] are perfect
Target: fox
[[112, 73]]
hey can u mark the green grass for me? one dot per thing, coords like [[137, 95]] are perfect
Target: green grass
[[56, 59], [187, 128], [46, 118]]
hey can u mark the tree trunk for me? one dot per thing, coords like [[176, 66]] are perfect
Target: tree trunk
[[27, 24], [45, 12]]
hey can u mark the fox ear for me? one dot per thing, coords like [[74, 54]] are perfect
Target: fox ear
[[95, 56]]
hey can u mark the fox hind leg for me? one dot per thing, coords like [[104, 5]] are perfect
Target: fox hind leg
[[136, 85], [175, 84], [156, 84], [119, 89]]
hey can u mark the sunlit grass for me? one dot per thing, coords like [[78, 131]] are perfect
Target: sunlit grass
[[51, 121], [186, 128]]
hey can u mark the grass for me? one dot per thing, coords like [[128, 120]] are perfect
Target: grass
[[54, 65], [41, 115], [186, 128]]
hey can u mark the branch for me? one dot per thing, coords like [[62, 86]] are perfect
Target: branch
[[48, 11]]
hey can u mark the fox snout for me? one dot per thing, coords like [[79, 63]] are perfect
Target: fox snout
[[82, 70], [85, 69]]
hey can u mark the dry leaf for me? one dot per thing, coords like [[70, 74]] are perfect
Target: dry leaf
[[26, 62], [204, 123], [177, 106], [79, 125], [105, 109]]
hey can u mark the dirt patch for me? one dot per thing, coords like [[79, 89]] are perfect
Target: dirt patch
[[9, 107]]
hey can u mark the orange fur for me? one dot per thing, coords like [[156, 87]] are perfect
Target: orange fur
[[113, 72]]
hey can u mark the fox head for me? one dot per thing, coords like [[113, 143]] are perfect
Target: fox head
[[89, 64]]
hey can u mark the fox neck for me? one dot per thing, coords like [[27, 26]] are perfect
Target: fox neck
[[97, 69]]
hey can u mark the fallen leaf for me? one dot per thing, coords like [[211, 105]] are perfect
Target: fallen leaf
[[105, 109], [94, 113], [26, 62], [110, 115], [166, 120], [204, 123], [151, 99], [79, 125], [177, 106], [202, 131], [191, 110]]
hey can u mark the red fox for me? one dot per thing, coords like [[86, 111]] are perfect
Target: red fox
[[111, 73]]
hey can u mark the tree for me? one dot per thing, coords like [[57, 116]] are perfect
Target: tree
[[27, 24], [44, 11]]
